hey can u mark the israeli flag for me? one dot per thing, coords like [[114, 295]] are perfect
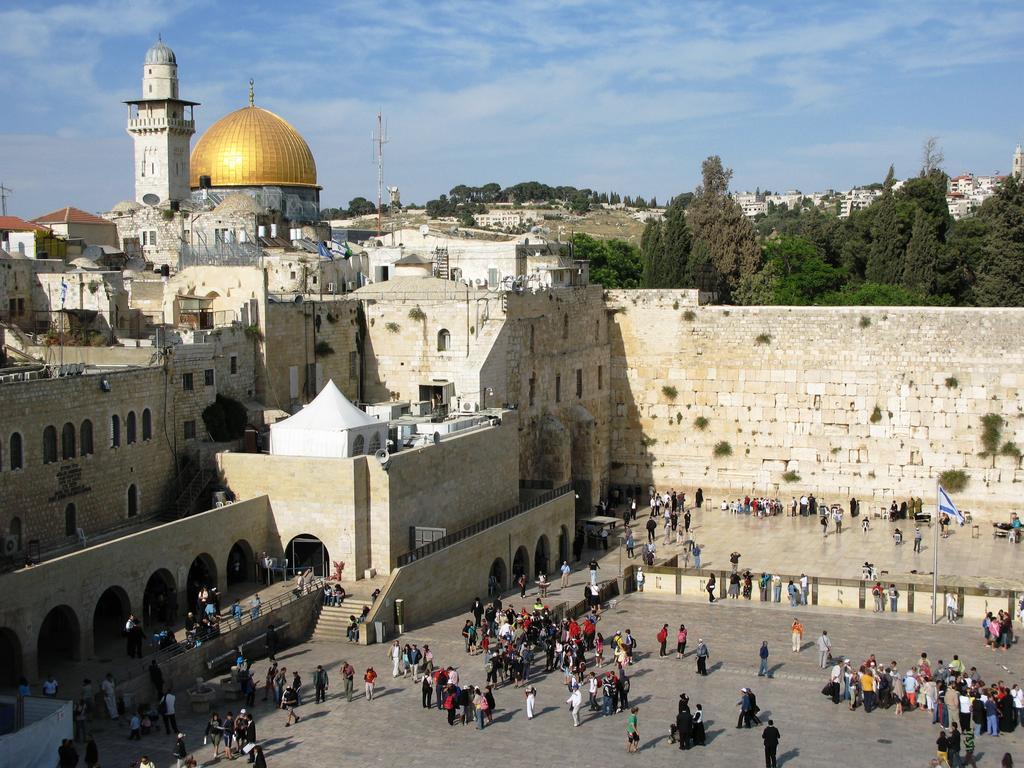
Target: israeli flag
[[63, 292], [324, 251], [947, 507]]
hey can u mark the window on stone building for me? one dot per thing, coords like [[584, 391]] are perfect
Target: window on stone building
[[49, 445], [189, 428], [70, 520], [14, 531], [17, 457], [533, 387], [85, 438], [600, 377], [130, 428], [147, 424], [374, 443], [558, 388], [444, 340], [21, 306], [579, 383], [115, 431], [353, 365], [12, 307], [67, 441], [358, 446], [565, 326], [133, 500], [597, 330], [234, 364], [531, 339], [208, 377], [186, 382]]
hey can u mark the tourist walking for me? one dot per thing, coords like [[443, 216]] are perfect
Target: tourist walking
[[632, 731], [771, 737], [797, 635], [575, 701], [662, 638], [702, 657], [320, 682], [369, 678], [824, 648], [762, 670]]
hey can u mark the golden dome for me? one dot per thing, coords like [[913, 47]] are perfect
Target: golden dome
[[252, 147]]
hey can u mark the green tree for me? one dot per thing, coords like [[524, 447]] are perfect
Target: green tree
[[885, 254], [1000, 278], [360, 206], [650, 252], [666, 249], [613, 263], [921, 257], [718, 222]]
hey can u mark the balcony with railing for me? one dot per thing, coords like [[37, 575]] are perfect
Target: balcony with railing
[[160, 123]]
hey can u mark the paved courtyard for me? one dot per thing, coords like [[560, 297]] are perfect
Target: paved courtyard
[[393, 729]]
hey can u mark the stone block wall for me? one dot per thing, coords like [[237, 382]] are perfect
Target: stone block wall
[[865, 402]]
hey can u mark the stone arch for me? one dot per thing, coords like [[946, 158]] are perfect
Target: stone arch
[[132, 499], [241, 565], [130, 428], [563, 545], [444, 340], [59, 639], [159, 599], [109, 616], [10, 658], [585, 472], [542, 556], [85, 438], [17, 452], [307, 551], [49, 444], [202, 573], [553, 452], [67, 441], [500, 574], [521, 562]]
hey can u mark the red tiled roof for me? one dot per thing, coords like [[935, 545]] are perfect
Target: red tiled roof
[[70, 215], [17, 224]]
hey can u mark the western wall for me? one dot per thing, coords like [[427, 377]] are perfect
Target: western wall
[[869, 402]]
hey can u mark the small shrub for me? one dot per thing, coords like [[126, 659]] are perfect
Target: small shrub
[[951, 382], [876, 415], [417, 314], [763, 338], [722, 449], [167, 215], [689, 315], [94, 286], [670, 392], [1010, 448], [225, 419], [253, 332], [647, 441], [331, 318], [835, 451], [323, 349], [991, 432], [865, 321], [954, 480], [701, 423], [675, 305], [791, 477], [679, 418], [392, 327]]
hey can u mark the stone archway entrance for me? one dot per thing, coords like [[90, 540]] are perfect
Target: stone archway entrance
[[542, 557], [60, 639], [159, 601], [520, 563], [497, 581], [241, 564], [10, 658], [108, 619]]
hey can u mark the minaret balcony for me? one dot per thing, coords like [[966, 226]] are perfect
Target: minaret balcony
[[160, 124]]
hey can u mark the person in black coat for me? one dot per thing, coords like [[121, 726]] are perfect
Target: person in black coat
[[250, 736], [684, 728], [92, 753], [271, 640], [698, 726], [477, 611], [771, 738], [259, 761]]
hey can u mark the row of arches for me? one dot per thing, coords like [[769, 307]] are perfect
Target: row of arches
[[73, 441], [521, 560], [59, 638]]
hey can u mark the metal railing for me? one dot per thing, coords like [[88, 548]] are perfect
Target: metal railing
[[446, 541], [229, 623]]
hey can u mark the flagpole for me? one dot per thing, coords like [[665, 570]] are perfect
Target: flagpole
[[935, 555]]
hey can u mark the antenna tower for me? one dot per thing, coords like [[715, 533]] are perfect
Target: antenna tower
[[4, 192], [380, 138]]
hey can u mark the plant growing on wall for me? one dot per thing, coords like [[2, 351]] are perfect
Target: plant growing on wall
[[763, 338], [991, 434], [253, 332], [791, 477], [417, 314], [954, 480], [675, 305], [1009, 448], [876, 415], [647, 441], [331, 318], [225, 419], [701, 423], [679, 418], [323, 349], [94, 286], [392, 326], [951, 382], [722, 449], [689, 315], [670, 392], [865, 321]]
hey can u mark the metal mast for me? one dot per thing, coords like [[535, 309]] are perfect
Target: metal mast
[[379, 140]]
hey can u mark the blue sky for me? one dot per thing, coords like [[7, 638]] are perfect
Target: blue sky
[[609, 95]]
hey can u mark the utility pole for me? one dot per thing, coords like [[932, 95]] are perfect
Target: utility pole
[[379, 140], [4, 192]]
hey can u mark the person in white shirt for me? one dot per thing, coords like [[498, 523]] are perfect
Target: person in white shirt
[[566, 570], [574, 701], [50, 687], [1018, 702]]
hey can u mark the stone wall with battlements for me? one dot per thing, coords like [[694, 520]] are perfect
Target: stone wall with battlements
[[870, 402]]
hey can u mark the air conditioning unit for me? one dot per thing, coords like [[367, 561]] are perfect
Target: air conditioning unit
[[10, 545], [332, 287]]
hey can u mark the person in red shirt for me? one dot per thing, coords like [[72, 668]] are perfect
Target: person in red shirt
[[663, 639], [369, 678]]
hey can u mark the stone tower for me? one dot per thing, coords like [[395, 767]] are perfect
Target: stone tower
[[161, 125], [1018, 163]]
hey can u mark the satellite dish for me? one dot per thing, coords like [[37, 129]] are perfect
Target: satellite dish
[[150, 199], [384, 457], [424, 230]]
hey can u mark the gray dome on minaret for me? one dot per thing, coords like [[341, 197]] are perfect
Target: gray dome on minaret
[[160, 54]]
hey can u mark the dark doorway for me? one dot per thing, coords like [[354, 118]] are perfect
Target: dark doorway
[[563, 545], [159, 601], [307, 551], [241, 567], [499, 576], [202, 573], [10, 658], [59, 639], [108, 619], [520, 563], [541, 556]]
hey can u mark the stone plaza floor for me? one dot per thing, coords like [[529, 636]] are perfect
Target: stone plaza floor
[[394, 729]]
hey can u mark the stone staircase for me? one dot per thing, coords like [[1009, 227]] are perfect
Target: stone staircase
[[333, 620]]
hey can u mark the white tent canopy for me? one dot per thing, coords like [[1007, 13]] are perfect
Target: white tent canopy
[[329, 427]]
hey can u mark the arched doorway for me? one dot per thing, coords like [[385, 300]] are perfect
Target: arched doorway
[[59, 639], [10, 658], [520, 563], [202, 573], [240, 563], [307, 551], [159, 601], [541, 556], [498, 577], [563, 545], [109, 617]]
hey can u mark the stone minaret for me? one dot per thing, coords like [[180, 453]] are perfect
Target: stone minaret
[[1018, 163], [162, 131]]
